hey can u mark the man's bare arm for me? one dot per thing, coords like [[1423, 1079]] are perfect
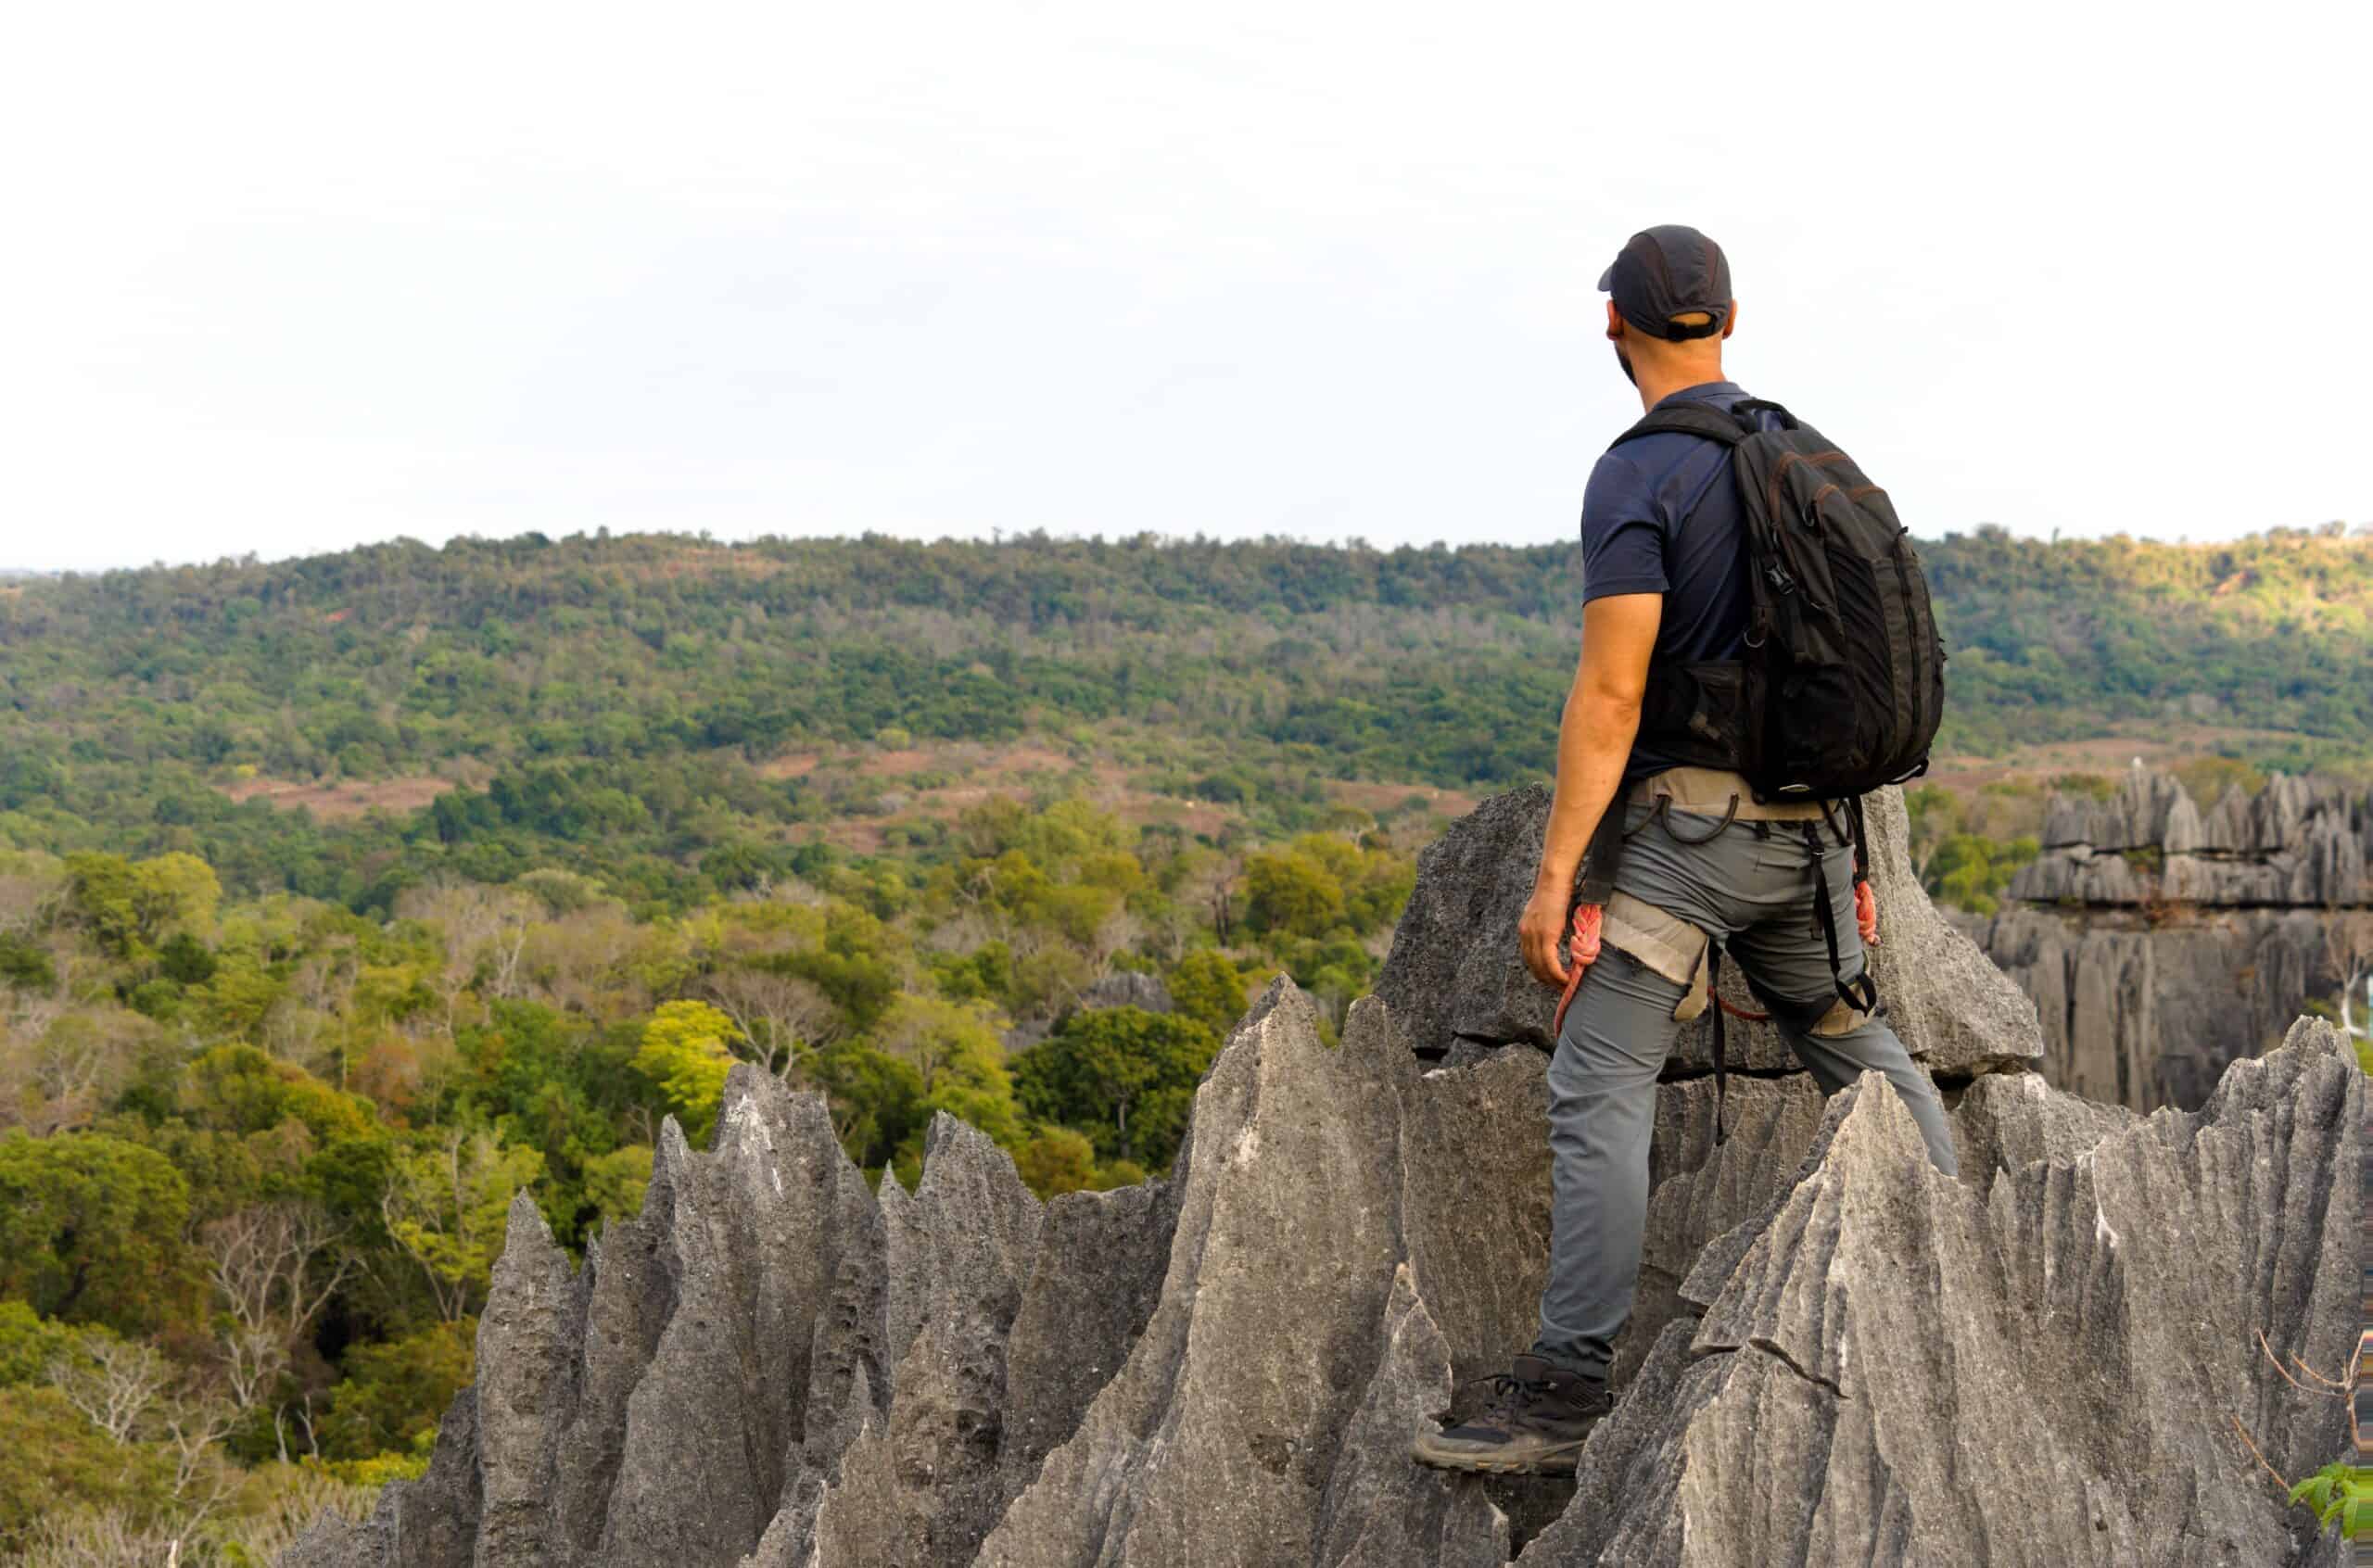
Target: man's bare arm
[[1593, 742]]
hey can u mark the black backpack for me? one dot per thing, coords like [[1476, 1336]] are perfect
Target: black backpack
[[1843, 683]]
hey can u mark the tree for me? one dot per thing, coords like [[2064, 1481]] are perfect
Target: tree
[[1124, 1076], [1206, 987], [1058, 1160], [59, 1065], [128, 907], [115, 1383], [91, 1231], [779, 1020], [28, 1343], [136, 1398], [238, 1089], [447, 1207], [958, 1058], [394, 1391], [274, 1267], [2348, 945], [614, 1182], [877, 1101], [1291, 891], [483, 931], [685, 1057], [936, 1038]]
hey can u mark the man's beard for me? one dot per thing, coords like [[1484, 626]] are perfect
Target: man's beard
[[1625, 361]]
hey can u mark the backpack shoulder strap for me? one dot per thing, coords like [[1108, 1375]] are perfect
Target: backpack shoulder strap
[[1764, 405], [1688, 419]]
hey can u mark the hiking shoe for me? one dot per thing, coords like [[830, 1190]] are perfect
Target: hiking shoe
[[1534, 1425]]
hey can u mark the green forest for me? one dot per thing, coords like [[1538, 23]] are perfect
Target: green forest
[[610, 705], [341, 898]]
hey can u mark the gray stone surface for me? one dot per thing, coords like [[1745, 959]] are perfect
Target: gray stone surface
[[1124, 988], [1098, 1274], [2145, 1015], [2006, 1120], [2160, 943], [1477, 1241], [1454, 971], [2041, 1367], [1698, 1192], [1838, 1356], [526, 1391], [923, 1486], [1214, 1444], [2296, 844], [1958, 1013], [1380, 1510], [431, 1523]]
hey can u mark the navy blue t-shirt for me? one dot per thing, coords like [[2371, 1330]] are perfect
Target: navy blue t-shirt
[[1662, 515]]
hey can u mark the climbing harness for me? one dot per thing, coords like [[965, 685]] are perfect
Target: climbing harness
[[1586, 928]]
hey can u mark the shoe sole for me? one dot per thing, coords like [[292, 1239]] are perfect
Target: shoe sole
[[1559, 1461]]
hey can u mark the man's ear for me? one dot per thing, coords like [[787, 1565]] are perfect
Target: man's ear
[[1614, 321], [1731, 322]]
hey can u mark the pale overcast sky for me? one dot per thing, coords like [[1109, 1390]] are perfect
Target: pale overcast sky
[[288, 279]]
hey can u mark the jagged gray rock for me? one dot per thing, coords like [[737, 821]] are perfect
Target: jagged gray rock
[[1124, 988], [2044, 1367], [2159, 943], [1375, 1513], [1478, 1243], [1959, 1015], [2296, 842], [1698, 1192], [1454, 971], [2144, 1016], [1101, 1257], [528, 1341], [431, 1523], [2005, 1120], [923, 1486], [1215, 1441], [1837, 1355]]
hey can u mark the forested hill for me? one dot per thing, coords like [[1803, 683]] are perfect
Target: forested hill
[[626, 694]]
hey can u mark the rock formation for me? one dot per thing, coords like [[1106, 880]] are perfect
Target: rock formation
[[1124, 988], [1839, 1355], [2160, 942]]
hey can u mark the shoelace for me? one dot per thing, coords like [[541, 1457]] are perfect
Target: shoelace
[[1509, 1393]]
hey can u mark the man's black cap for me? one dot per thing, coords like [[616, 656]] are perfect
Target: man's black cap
[[1666, 271]]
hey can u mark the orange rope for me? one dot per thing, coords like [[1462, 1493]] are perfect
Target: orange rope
[[1581, 951]]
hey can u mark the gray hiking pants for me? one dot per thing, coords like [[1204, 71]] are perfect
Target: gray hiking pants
[[1751, 891]]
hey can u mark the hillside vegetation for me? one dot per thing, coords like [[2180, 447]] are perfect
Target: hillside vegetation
[[612, 704]]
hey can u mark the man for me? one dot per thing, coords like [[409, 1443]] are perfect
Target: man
[[1664, 560]]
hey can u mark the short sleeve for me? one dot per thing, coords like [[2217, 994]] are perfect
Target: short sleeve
[[1623, 542]]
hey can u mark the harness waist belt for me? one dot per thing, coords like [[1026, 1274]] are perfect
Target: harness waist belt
[[1714, 792]]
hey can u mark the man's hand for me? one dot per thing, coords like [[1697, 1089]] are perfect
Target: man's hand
[[1542, 933]]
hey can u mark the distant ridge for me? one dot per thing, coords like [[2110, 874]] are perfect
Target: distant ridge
[[624, 706]]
